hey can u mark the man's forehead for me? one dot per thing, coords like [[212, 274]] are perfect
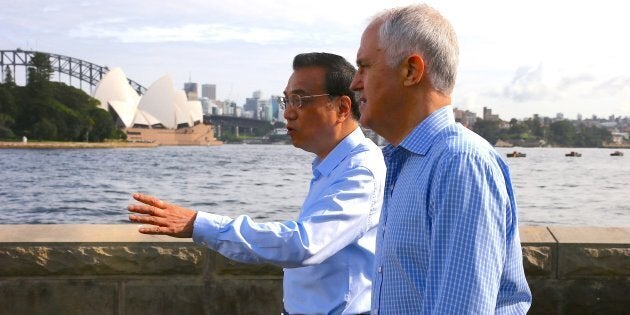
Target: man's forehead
[[307, 79], [369, 40]]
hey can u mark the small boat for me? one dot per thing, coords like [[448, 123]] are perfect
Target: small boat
[[573, 154], [516, 154], [617, 153]]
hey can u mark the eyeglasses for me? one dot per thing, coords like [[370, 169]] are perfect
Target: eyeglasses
[[297, 101]]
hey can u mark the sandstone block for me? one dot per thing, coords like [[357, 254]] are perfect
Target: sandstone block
[[100, 259], [577, 261], [224, 266], [58, 297], [174, 295], [538, 261], [245, 296]]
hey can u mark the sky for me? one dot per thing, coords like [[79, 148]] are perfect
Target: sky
[[518, 58]]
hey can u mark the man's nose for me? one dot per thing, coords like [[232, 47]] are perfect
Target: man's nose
[[356, 83], [289, 113]]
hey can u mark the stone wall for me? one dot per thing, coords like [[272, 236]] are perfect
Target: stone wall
[[112, 269], [200, 134]]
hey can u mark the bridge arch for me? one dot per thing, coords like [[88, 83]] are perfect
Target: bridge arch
[[85, 71]]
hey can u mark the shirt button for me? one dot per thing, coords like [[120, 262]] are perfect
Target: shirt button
[[375, 311], [380, 269]]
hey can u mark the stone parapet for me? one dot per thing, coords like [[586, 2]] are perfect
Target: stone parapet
[[112, 269]]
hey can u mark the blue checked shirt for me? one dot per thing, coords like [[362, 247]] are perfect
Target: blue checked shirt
[[448, 239], [328, 252]]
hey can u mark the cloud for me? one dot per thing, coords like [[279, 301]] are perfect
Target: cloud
[[527, 85], [571, 82], [204, 33], [536, 84], [614, 85]]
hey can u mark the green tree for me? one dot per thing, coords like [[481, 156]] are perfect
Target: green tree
[[39, 71], [73, 113], [489, 130], [44, 130], [592, 136], [103, 127], [6, 133], [36, 98], [562, 133], [8, 107], [536, 127], [518, 130], [8, 76]]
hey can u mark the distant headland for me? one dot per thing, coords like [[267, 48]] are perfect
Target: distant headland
[[74, 145]]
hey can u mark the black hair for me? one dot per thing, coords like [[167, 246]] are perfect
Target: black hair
[[339, 75]]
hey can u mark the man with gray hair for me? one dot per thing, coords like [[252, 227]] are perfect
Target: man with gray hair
[[448, 238]]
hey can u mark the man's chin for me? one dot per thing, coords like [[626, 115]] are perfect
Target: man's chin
[[365, 122], [294, 143]]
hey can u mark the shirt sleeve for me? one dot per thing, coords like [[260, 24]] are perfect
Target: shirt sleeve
[[468, 236], [337, 216]]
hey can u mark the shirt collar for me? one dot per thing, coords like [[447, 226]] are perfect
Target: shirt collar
[[328, 164], [421, 138]]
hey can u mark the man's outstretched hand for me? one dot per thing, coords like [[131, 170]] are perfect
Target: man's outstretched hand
[[162, 218]]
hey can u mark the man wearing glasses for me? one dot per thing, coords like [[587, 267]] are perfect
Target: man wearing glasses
[[328, 252]]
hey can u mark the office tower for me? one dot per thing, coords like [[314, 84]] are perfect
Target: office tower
[[209, 91], [191, 91]]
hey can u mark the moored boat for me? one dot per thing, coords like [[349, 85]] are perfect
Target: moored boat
[[516, 154], [573, 154], [617, 153]]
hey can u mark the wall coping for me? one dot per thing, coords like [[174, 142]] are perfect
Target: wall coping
[[128, 233], [80, 233], [591, 235]]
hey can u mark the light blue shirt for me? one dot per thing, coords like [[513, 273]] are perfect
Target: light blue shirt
[[328, 252], [448, 239]]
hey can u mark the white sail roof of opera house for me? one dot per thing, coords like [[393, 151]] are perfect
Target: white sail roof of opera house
[[145, 119], [114, 90], [160, 105], [191, 110], [158, 101]]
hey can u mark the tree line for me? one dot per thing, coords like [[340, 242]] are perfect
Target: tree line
[[532, 131], [46, 110]]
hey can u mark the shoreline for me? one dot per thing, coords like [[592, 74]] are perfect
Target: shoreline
[[75, 145]]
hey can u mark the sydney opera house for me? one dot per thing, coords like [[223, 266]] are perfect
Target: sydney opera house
[[162, 115]]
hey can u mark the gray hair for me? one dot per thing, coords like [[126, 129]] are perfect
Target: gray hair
[[421, 29]]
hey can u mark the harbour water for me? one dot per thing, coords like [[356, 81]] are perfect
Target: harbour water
[[269, 182]]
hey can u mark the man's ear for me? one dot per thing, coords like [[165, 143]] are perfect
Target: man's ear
[[345, 108], [412, 69]]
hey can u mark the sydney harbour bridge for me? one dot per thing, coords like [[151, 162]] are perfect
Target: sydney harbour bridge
[[84, 71], [89, 73]]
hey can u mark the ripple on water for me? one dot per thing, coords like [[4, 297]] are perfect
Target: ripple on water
[[88, 186]]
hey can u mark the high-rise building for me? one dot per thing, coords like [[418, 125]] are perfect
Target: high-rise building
[[266, 112], [209, 91], [488, 116], [275, 107], [191, 91], [252, 104], [205, 105], [465, 117]]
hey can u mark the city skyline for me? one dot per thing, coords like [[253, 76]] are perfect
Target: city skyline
[[518, 58]]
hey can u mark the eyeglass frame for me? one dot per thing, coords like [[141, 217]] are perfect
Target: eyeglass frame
[[285, 105]]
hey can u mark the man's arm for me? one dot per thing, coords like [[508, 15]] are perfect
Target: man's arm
[[337, 218]]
